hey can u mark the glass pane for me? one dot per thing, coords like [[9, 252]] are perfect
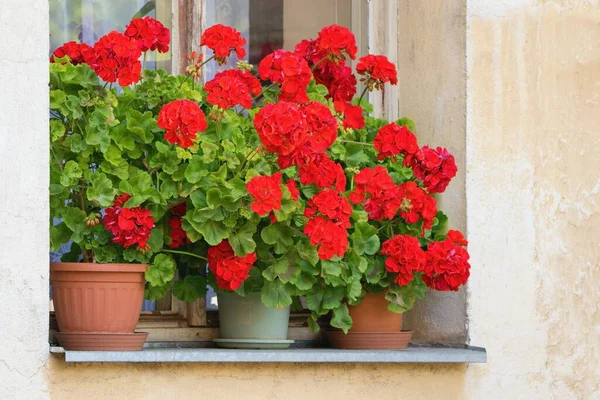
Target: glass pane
[[87, 20]]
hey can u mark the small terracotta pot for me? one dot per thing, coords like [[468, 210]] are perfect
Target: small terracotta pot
[[372, 315], [98, 298]]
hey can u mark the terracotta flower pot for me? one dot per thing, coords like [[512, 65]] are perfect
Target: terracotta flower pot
[[101, 299], [373, 327], [372, 315]]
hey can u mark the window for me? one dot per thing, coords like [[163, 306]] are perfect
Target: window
[[267, 25]]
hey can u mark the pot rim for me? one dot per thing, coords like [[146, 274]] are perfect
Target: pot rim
[[97, 267]]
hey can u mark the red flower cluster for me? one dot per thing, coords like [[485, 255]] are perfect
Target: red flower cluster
[[280, 127], [117, 57], [177, 234], [267, 194], [78, 53], [182, 120], [128, 226], [298, 134], [289, 70], [392, 140], [383, 199], [416, 204], [405, 257], [336, 41], [329, 214], [331, 239], [330, 204], [338, 78], [447, 266], [230, 271], [376, 70], [321, 126], [457, 238], [232, 87], [435, 168], [323, 172], [222, 40], [149, 34], [353, 115]]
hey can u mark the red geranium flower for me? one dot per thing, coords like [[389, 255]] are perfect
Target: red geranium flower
[[321, 125], [182, 120], [376, 188], [416, 204], [230, 271], [117, 57], [337, 40], [435, 168], [266, 192], [78, 53], [177, 234], [405, 257], [330, 238], [329, 203], [232, 87], [376, 70], [290, 71], [338, 78], [280, 127], [129, 226], [353, 115], [323, 172], [457, 238], [392, 140], [447, 266], [149, 34], [222, 40]]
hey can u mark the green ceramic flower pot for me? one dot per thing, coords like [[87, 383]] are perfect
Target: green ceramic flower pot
[[248, 318]]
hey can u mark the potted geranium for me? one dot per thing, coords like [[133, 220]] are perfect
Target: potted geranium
[[108, 197]]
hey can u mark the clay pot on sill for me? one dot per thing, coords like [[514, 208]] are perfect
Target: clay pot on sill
[[373, 327], [97, 306]]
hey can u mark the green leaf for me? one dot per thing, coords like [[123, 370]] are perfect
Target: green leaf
[[354, 289], [341, 318], [355, 155], [59, 235], [74, 219], [333, 268], [307, 252], [279, 235], [156, 292], [365, 239], [113, 155], [120, 170], [141, 125], [214, 232], [191, 288], [57, 98], [216, 198], [404, 121], [71, 174], [161, 271], [275, 295], [195, 170], [156, 240], [101, 189], [57, 130], [402, 298], [241, 241]]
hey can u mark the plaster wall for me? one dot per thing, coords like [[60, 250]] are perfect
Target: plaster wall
[[532, 118]]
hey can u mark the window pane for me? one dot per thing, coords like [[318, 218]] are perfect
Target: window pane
[[87, 20]]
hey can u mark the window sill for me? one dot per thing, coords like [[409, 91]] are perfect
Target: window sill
[[414, 354]]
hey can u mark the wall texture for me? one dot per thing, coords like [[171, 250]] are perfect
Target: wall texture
[[533, 208], [23, 199], [532, 185]]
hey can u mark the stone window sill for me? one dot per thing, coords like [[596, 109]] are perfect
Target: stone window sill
[[175, 354]]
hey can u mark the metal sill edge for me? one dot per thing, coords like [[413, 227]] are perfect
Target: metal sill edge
[[413, 354]]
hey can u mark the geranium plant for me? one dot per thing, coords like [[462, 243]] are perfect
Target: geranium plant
[[274, 176]]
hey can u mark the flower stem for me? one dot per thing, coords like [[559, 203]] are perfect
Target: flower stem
[[264, 91], [362, 95], [185, 253], [320, 61], [353, 141]]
